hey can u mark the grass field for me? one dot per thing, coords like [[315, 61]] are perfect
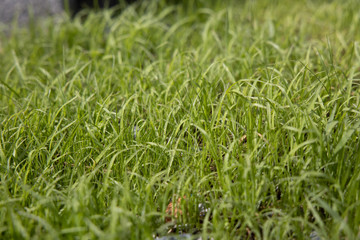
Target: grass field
[[244, 115]]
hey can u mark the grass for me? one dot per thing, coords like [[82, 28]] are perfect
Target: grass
[[249, 108]]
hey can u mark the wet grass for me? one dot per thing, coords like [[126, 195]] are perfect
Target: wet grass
[[248, 109]]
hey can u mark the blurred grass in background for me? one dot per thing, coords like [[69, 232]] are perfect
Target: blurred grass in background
[[249, 108]]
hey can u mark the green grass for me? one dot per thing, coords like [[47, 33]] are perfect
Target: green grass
[[249, 108]]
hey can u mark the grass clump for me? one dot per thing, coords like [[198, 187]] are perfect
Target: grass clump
[[244, 115]]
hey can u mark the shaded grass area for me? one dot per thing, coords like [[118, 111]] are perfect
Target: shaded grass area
[[250, 109]]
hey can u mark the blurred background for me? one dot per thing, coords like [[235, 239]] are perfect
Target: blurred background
[[23, 10]]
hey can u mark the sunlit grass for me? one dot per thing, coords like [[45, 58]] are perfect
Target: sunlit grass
[[249, 109]]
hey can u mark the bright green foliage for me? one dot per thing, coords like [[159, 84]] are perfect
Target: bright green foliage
[[248, 107]]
